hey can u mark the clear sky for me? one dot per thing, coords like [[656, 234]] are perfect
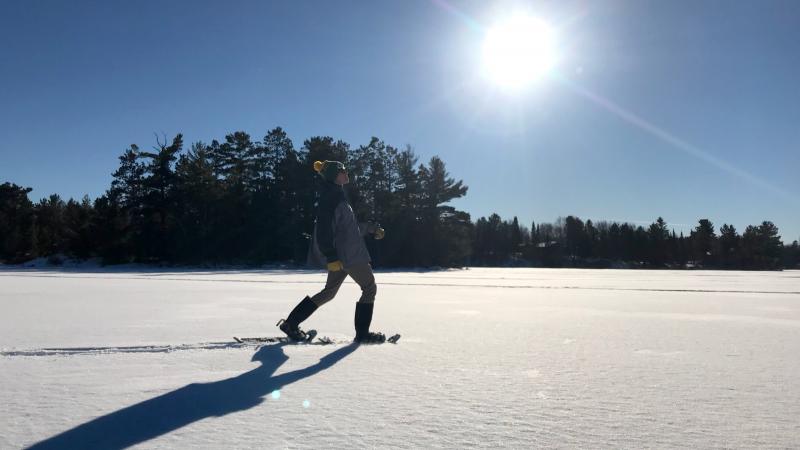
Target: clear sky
[[680, 109]]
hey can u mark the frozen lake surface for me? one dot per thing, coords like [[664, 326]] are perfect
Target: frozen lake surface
[[489, 357]]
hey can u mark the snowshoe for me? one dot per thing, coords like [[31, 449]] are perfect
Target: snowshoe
[[293, 332], [370, 338]]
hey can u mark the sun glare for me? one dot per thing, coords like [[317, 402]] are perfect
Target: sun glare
[[518, 51]]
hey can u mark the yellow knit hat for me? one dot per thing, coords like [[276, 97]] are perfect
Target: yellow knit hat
[[329, 170]]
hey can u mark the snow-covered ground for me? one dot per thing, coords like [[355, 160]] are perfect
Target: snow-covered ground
[[489, 357]]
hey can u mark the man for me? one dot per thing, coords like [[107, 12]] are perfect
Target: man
[[338, 244]]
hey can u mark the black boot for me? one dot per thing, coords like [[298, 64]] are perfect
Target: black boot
[[362, 320], [301, 312]]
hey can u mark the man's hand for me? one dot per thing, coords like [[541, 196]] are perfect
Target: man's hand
[[379, 233], [335, 266]]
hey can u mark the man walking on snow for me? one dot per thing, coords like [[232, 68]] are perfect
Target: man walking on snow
[[338, 244]]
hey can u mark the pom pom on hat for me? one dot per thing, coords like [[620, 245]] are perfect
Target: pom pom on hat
[[329, 170]]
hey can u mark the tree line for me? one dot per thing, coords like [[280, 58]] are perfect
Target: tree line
[[571, 242], [246, 201], [243, 201]]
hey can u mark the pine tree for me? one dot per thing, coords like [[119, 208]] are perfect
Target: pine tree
[[78, 218], [729, 245], [235, 162], [198, 195], [373, 176], [445, 231], [50, 226], [127, 186], [516, 237], [703, 239], [590, 240], [575, 236], [282, 207], [772, 247], [17, 230], [658, 236], [159, 199]]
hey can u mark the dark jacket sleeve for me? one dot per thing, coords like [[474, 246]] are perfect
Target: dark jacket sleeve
[[325, 215]]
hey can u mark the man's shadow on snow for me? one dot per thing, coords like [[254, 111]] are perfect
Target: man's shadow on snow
[[168, 412]]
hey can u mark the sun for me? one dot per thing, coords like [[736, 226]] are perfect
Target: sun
[[518, 51]]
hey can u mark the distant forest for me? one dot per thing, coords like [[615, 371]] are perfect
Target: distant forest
[[252, 202]]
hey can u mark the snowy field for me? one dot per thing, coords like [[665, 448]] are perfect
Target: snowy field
[[516, 358]]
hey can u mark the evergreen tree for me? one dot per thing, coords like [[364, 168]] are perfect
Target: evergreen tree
[[516, 237], [121, 209], [658, 238], [373, 176], [198, 194], [772, 247], [683, 250], [729, 245], [79, 234], [267, 156], [50, 226], [445, 231], [703, 239], [575, 236], [234, 160], [282, 207], [590, 240], [17, 230], [110, 226], [403, 217], [158, 201], [615, 242], [127, 186], [497, 246], [640, 240], [761, 246]]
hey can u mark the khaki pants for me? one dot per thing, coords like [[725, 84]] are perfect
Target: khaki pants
[[361, 274]]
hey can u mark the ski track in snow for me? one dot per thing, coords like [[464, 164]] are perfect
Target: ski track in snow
[[71, 351], [130, 349], [518, 358]]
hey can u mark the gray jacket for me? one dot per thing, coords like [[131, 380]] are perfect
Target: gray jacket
[[337, 235]]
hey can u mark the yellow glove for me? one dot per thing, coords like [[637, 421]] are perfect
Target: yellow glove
[[335, 266], [379, 233]]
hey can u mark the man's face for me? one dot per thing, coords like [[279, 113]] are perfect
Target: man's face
[[342, 178]]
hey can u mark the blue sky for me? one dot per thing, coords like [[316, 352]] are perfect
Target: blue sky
[[680, 109]]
